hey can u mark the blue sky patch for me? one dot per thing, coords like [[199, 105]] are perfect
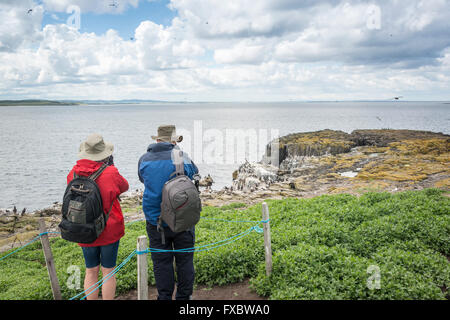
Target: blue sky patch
[[124, 23]]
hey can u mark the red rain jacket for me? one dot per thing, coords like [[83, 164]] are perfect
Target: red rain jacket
[[111, 185]]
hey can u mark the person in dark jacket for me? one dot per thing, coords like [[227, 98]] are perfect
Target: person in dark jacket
[[154, 169], [93, 153]]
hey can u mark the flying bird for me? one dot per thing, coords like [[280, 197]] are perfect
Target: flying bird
[[113, 4], [29, 11], [378, 118], [397, 98]]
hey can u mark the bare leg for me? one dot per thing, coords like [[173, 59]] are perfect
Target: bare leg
[[90, 279], [109, 286]]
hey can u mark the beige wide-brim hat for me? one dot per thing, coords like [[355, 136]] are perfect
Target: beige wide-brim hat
[[95, 148], [167, 133]]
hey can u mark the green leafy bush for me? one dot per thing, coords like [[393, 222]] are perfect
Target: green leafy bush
[[323, 248]]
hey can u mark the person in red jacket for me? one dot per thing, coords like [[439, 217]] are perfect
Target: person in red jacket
[[93, 153]]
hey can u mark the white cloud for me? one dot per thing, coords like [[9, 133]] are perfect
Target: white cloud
[[406, 37], [231, 50], [20, 24], [243, 52], [159, 47], [244, 18]]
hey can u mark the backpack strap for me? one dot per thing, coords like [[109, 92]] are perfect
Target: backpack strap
[[110, 208], [97, 173], [160, 229], [178, 161], [94, 176]]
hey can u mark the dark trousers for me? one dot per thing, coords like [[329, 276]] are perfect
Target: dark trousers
[[163, 262]]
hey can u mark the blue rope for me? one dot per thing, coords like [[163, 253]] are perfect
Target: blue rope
[[27, 244], [196, 249], [112, 273], [255, 228], [131, 222], [115, 270], [105, 278], [210, 245], [44, 233], [33, 240], [258, 229], [208, 218], [236, 221]]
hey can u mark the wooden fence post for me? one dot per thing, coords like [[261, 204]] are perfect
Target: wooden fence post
[[49, 261], [267, 240], [142, 271]]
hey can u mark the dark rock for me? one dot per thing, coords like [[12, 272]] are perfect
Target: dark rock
[[382, 137]]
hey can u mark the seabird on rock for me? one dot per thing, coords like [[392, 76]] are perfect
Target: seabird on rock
[[207, 182]]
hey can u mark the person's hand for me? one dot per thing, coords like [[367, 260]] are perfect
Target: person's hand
[[110, 160]]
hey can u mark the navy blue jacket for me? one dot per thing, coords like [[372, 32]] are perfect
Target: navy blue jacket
[[154, 169]]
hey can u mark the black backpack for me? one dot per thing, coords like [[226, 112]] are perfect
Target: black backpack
[[83, 217]]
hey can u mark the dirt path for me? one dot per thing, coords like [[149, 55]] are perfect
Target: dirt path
[[236, 291]]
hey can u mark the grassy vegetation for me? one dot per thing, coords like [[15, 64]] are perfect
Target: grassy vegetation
[[322, 249]]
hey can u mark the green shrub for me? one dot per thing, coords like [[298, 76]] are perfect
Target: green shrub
[[322, 249]]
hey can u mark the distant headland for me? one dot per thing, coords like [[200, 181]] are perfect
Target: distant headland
[[39, 102], [35, 103]]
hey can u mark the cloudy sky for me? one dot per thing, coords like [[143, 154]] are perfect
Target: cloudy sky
[[216, 50]]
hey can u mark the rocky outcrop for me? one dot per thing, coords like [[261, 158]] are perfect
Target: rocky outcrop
[[307, 144], [327, 161], [382, 138], [324, 142], [252, 176]]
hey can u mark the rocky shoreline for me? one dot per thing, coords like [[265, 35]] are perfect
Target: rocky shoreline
[[308, 164]]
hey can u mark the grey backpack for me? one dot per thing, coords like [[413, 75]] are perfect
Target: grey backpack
[[181, 204]]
